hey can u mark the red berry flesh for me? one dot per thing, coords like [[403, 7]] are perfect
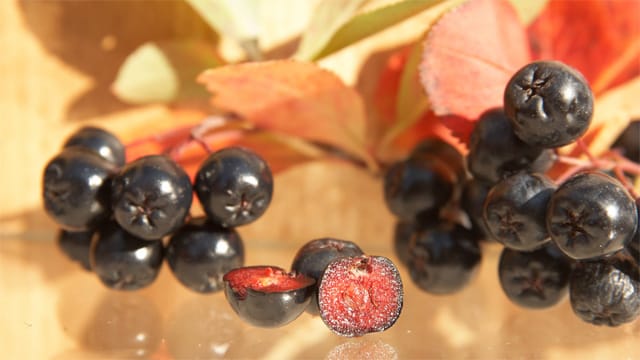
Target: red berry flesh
[[267, 296], [360, 295]]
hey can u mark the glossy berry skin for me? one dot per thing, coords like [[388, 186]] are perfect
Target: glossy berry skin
[[75, 245], [515, 211], [549, 104], [629, 142], [495, 152], [123, 261], [591, 215], [76, 189], [99, 141], [418, 187], [313, 257], [536, 279], [444, 258], [201, 252], [605, 291], [234, 186], [360, 295], [267, 296], [151, 197]]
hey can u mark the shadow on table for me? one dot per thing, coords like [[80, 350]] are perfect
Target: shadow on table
[[95, 37]]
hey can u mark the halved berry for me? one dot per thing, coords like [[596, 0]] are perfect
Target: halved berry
[[234, 186], [75, 189], [123, 261], [99, 141], [313, 258], [267, 296], [360, 295], [536, 279], [201, 252], [151, 197], [591, 215]]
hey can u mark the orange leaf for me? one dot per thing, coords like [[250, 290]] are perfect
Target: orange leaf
[[469, 56], [294, 98], [600, 38]]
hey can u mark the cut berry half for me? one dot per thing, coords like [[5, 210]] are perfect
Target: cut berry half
[[312, 259], [267, 296], [360, 295]]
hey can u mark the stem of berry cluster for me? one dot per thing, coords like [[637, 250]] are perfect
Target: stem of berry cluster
[[609, 161]]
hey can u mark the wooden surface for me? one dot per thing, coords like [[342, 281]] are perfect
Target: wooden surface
[[58, 60]]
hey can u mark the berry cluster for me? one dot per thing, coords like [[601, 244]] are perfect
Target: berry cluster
[[115, 216], [577, 237]]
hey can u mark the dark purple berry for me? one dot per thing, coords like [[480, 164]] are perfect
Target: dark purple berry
[[76, 188], [629, 142], [99, 141], [515, 211], [474, 192], [201, 252], [151, 197], [445, 152], [549, 104], [234, 186], [591, 215], [123, 261], [606, 291], [360, 295], [418, 187], [313, 258], [496, 152], [444, 258], [536, 279], [267, 296], [75, 245], [402, 235]]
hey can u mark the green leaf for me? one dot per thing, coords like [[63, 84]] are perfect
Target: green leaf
[[367, 24], [528, 9], [328, 17], [164, 71], [235, 19]]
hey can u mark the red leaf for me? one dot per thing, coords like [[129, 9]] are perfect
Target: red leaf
[[469, 56], [600, 38], [295, 98]]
